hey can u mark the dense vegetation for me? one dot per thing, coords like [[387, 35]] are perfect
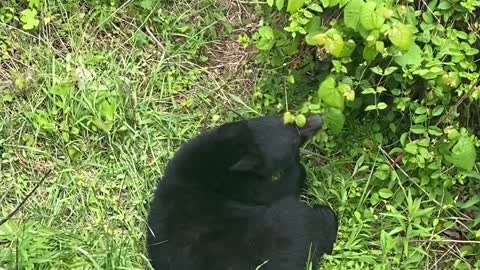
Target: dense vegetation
[[102, 92]]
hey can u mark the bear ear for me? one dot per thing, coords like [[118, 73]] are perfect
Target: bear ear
[[233, 131], [246, 163]]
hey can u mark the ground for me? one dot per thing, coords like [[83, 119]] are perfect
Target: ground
[[99, 95]]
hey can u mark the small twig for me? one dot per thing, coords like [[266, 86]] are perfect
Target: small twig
[[445, 241], [23, 32], [454, 108], [11, 214], [431, 11], [317, 155], [450, 248], [155, 39], [392, 162], [97, 28], [225, 106]]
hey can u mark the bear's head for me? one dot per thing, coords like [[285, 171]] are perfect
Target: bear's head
[[259, 147]]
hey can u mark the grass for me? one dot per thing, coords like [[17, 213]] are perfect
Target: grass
[[104, 109], [103, 95]]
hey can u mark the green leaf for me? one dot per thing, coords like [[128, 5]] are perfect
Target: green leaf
[[411, 148], [103, 126], [294, 5], [291, 79], [331, 40], [369, 53], [382, 106], [377, 70], [329, 94], [7, 98], [66, 137], [334, 119], [463, 154], [315, 38], [381, 174], [423, 142], [421, 110], [28, 18], [389, 70], [62, 90], [374, 199], [358, 164], [19, 83], [420, 118], [438, 110], [367, 91], [288, 118], [315, 7], [314, 26], [334, 45], [445, 4], [270, 2], [107, 109], [369, 17], [346, 91], [448, 80], [348, 48], [385, 193], [417, 129], [266, 32], [351, 14], [429, 74], [412, 57], [471, 202], [267, 38], [34, 4], [401, 36], [424, 152], [279, 4], [300, 120], [379, 46], [73, 153], [147, 4], [44, 122], [432, 4], [435, 131], [453, 135]]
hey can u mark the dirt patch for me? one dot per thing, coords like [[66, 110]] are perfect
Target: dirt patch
[[228, 59]]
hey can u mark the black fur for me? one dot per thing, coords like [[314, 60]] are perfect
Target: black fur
[[229, 200]]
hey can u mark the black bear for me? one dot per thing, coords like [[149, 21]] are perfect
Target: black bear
[[229, 200]]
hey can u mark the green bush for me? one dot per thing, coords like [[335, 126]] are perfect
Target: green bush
[[410, 73], [398, 85]]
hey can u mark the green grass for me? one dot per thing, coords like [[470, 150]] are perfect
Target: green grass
[[104, 94], [104, 109]]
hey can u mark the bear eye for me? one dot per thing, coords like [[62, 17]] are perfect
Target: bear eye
[[276, 176]]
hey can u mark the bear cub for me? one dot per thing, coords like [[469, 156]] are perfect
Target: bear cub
[[229, 200]]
